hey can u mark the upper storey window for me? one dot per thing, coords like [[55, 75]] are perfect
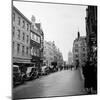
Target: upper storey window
[[13, 16], [23, 24], [19, 20]]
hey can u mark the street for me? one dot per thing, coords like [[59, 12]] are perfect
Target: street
[[62, 83]]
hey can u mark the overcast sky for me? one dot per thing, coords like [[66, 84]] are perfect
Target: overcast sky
[[60, 23]]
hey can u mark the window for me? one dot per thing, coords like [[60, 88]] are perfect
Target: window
[[13, 16], [76, 50], [36, 38], [83, 55], [83, 49], [27, 50], [18, 20], [23, 36], [27, 38], [13, 31], [76, 45], [13, 45], [27, 27], [23, 50], [23, 24], [19, 34], [18, 48]]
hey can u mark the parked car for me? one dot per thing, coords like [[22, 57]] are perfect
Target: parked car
[[17, 77], [27, 75], [43, 70], [33, 74], [47, 70]]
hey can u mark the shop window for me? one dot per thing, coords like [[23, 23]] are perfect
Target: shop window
[[76, 45], [13, 46], [13, 31], [76, 56], [76, 50], [23, 36], [83, 49]]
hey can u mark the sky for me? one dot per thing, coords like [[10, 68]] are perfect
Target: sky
[[60, 22]]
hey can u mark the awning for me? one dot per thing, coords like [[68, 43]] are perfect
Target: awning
[[19, 60]]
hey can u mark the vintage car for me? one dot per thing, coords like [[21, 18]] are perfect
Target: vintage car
[[17, 77], [31, 73], [45, 70]]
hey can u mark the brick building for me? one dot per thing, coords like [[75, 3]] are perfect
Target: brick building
[[52, 54]]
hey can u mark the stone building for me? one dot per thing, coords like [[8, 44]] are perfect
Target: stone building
[[37, 38], [79, 51], [52, 54], [20, 38], [38, 25], [70, 58]]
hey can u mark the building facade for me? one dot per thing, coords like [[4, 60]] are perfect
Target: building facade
[[79, 51], [70, 58], [52, 54], [37, 38], [20, 38], [38, 25], [91, 30]]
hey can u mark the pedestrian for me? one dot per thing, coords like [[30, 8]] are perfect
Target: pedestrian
[[89, 77]]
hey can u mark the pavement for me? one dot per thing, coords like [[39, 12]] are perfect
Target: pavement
[[62, 83]]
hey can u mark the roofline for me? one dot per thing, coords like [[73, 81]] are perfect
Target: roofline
[[35, 31], [82, 37], [13, 7]]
